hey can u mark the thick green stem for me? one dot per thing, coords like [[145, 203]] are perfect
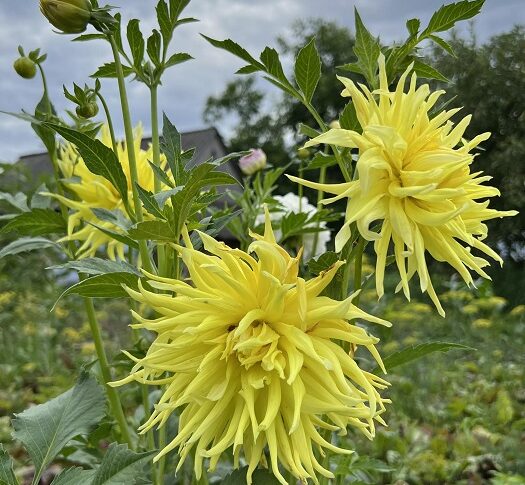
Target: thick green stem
[[128, 129], [113, 397], [155, 144]]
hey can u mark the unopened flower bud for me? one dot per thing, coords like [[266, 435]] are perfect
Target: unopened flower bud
[[334, 124], [25, 67], [68, 16], [88, 110], [255, 161], [303, 153]]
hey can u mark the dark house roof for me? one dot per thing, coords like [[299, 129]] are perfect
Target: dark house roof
[[208, 143]]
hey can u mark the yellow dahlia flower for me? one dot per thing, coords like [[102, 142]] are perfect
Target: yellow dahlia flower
[[413, 174], [96, 192], [249, 353]]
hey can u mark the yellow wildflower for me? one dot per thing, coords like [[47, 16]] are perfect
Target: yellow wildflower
[[96, 192], [413, 174], [249, 353]]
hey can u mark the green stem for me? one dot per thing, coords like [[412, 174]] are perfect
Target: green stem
[[128, 129], [155, 144], [320, 195], [113, 397], [110, 122], [324, 128]]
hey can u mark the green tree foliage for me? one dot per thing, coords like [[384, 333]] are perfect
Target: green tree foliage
[[489, 82]]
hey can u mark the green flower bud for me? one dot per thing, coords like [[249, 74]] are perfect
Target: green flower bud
[[88, 110], [68, 16], [25, 67], [303, 153]]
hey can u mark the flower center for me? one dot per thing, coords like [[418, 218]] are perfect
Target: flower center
[[257, 344]]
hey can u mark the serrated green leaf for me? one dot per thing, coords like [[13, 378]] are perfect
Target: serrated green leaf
[[322, 263], [136, 42], [249, 69], [161, 174], [292, 223], [18, 200], [415, 352], [308, 131], [74, 476], [348, 119], [366, 49], [120, 466], [446, 17], [154, 46], [25, 244], [7, 476], [152, 230], [116, 235], [114, 216], [46, 429], [428, 72], [96, 266], [109, 70], [149, 202], [443, 44], [162, 197], [163, 18], [308, 69], [321, 160], [270, 59], [37, 222], [177, 58], [413, 26], [260, 477], [170, 145], [99, 158], [107, 285], [235, 49]]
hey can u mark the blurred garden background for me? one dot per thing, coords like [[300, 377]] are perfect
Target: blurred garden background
[[458, 417]]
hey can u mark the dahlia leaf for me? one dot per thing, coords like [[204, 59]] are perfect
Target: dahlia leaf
[[18, 200], [47, 428], [321, 160], [7, 476], [259, 477], [443, 44], [446, 17], [413, 26], [177, 58], [136, 42], [415, 352], [308, 69], [271, 61], [74, 476], [37, 222], [428, 72], [109, 285], [109, 70], [120, 466], [25, 244], [160, 175], [98, 158], [152, 230], [235, 49], [154, 47], [149, 202], [348, 119], [367, 50], [96, 266], [170, 145], [116, 235]]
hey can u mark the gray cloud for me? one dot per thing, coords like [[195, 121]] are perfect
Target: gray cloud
[[253, 24]]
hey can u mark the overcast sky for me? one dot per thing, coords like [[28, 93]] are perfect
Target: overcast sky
[[252, 23]]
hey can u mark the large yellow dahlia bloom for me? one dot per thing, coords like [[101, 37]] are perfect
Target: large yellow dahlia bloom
[[249, 353], [95, 192], [413, 174]]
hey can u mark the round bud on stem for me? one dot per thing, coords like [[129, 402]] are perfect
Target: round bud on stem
[[68, 16], [303, 153], [88, 110], [255, 161], [25, 67]]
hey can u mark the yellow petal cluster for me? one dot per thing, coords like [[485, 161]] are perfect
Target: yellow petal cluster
[[413, 174], [250, 356], [95, 192]]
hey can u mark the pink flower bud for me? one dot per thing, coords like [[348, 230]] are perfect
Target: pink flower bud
[[255, 161]]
